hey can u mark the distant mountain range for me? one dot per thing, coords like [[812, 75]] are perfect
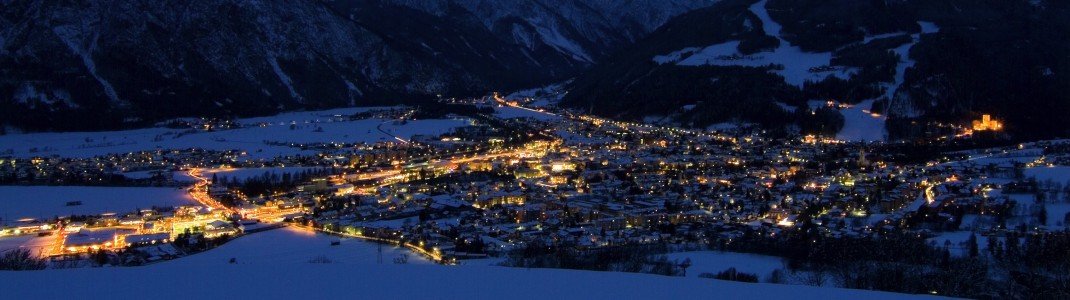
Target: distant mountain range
[[82, 65], [76, 65], [919, 64]]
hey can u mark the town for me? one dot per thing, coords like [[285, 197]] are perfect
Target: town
[[519, 181]]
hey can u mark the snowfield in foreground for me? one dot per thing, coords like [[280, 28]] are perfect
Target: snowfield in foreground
[[290, 246], [389, 281], [275, 265]]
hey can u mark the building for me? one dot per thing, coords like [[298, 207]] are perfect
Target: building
[[135, 240], [86, 239], [987, 123]]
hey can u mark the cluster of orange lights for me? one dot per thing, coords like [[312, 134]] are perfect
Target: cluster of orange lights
[[987, 123]]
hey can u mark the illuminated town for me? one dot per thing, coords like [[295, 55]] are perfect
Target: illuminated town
[[554, 180], [535, 149]]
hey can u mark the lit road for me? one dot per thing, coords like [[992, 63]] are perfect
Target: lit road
[[199, 191], [384, 174], [433, 255], [402, 118]]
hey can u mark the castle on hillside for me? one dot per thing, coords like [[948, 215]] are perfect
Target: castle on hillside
[[987, 123]]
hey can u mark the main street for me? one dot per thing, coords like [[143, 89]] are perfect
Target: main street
[[199, 191]]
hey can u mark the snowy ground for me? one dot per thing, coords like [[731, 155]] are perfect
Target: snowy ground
[[49, 201], [291, 246], [33, 243], [1056, 212], [387, 281], [1057, 215], [1058, 174], [543, 96], [508, 112], [307, 127], [425, 127], [957, 241], [861, 125], [797, 63], [714, 262], [905, 62], [275, 264]]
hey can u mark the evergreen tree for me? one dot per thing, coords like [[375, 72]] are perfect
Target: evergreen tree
[[1042, 215], [972, 244]]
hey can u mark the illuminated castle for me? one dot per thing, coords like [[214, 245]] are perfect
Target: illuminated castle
[[987, 123]]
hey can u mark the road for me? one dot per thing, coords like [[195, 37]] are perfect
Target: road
[[199, 191], [402, 118], [433, 255]]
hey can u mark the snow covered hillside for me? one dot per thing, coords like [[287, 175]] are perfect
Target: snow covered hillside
[[798, 66], [318, 281], [581, 32], [276, 264], [290, 246], [291, 262]]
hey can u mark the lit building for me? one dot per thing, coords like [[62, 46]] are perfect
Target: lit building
[[987, 123], [85, 240]]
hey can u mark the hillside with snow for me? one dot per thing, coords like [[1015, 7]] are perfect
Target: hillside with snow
[[292, 263], [898, 68], [109, 64]]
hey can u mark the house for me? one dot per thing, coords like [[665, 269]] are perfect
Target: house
[[135, 240]]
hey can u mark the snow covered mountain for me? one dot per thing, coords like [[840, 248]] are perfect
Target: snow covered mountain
[[562, 31], [896, 69], [106, 64]]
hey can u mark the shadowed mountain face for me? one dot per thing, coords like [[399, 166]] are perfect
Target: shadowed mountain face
[[913, 62], [82, 65], [105, 64]]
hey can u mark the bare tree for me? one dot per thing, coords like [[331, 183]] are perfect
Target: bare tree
[[21, 259]]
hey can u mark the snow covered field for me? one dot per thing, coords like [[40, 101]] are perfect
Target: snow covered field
[[1057, 215], [797, 63], [715, 262], [1058, 174], [426, 127], [307, 127], [860, 125], [905, 62], [508, 112], [389, 281], [48, 201], [957, 241], [30, 242], [291, 246], [276, 264]]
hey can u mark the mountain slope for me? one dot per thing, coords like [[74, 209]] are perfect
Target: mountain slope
[[565, 33], [116, 62], [107, 64], [917, 64]]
